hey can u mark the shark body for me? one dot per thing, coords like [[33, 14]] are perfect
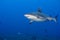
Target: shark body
[[39, 17]]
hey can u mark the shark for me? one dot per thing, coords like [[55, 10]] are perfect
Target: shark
[[39, 16]]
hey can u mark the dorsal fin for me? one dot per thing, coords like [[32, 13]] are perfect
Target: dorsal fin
[[39, 10]]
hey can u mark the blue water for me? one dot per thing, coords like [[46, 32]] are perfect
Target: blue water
[[14, 26]]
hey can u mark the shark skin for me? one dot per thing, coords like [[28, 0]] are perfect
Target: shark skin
[[39, 17]]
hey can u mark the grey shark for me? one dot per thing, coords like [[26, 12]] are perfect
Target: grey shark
[[39, 17]]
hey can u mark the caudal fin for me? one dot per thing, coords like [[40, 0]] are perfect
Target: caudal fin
[[55, 19]]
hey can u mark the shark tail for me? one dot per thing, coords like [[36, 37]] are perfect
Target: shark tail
[[55, 19]]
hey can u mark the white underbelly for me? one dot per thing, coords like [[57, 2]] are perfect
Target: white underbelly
[[39, 19]]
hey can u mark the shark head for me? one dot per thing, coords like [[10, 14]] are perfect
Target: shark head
[[29, 16]]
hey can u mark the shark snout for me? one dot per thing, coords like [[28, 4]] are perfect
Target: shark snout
[[27, 15]]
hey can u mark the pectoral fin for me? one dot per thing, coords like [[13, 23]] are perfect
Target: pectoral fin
[[30, 22]]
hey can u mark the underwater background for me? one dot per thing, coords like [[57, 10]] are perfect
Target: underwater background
[[14, 26]]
